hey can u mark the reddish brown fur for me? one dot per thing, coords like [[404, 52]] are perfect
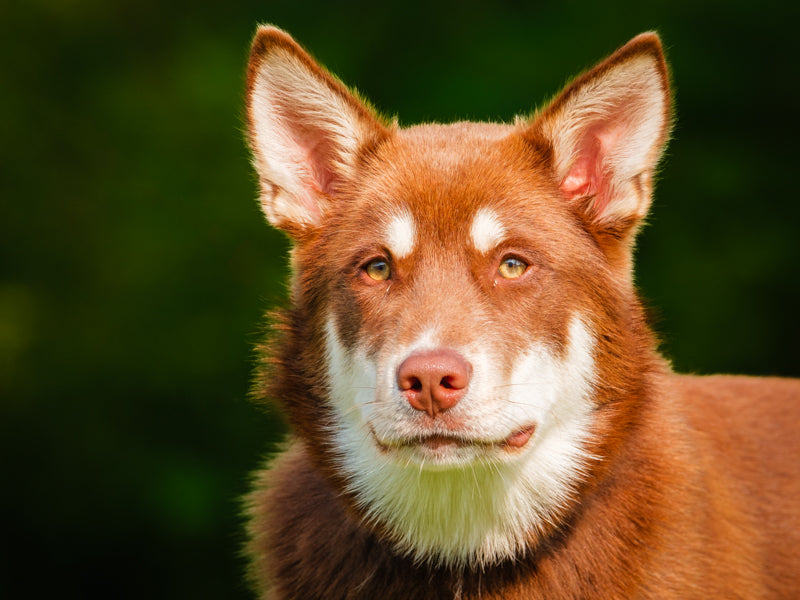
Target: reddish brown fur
[[696, 494]]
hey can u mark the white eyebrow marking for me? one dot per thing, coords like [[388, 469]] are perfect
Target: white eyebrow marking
[[487, 231], [401, 234]]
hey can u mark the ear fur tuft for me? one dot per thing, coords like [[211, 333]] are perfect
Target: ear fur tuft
[[306, 130], [607, 130]]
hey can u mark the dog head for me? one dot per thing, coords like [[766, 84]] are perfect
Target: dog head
[[464, 344]]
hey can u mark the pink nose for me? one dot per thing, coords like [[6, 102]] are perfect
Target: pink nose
[[434, 381]]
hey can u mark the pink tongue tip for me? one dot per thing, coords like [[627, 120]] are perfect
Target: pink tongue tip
[[520, 438]]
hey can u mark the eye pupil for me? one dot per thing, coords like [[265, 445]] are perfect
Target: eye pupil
[[378, 270], [512, 268]]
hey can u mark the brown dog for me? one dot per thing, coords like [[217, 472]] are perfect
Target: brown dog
[[478, 405]]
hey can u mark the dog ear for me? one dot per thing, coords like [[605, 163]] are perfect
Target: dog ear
[[306, 131], [606, 132]]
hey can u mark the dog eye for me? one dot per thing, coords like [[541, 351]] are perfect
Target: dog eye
[[512, 268], [378, 270]]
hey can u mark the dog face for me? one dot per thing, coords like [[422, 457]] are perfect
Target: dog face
[[460, 294]]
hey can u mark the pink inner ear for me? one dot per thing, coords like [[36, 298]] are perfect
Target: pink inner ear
[[315, 151], [590, 176], [312, 150], [581, 179]]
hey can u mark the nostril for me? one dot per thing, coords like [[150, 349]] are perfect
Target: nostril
[[407, 381]]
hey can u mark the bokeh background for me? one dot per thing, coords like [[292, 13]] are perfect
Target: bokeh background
[[135, 265]]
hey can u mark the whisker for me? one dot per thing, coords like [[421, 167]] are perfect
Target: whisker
[[523, 383]]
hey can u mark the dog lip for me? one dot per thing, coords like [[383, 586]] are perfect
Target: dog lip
[[520, 438], [517, 440]]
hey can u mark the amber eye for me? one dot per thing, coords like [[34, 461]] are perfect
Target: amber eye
[[512, 268], [378, 269]]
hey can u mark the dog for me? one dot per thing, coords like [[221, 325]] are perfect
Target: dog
[[478, 406]]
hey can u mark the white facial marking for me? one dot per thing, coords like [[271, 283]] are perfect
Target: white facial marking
[[401, 234], [352, 378], [487, 231], [480, 503]]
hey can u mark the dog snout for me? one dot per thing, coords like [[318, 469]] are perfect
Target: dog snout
[[434, 381]]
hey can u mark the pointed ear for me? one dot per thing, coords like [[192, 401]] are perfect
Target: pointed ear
[[306, 131], [606, 132]]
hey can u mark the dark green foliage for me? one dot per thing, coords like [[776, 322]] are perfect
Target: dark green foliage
[[135, 265]]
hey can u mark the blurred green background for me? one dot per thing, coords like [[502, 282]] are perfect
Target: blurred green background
[[135, 264]]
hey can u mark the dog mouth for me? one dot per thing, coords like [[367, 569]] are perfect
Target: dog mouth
[[438, 441]]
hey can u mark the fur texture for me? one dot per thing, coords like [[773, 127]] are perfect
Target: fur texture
[[478, 407]]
